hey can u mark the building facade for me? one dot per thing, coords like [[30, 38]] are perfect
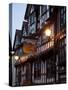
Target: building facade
[[44, 60], [17, 52]]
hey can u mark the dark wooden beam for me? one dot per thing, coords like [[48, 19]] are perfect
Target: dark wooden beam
[[29, 37]]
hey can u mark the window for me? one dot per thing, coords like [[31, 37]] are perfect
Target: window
[[32, 9], [32, 18], [44, 14], [62, 52], [51, 43], [22, 40], [44, 8], [50, 70], [37, 70], [62, 16], [62, 64], [52, 8], [22, 69], [32, 31], [20, 51], [18, 75], [62, 42], [28, 71]]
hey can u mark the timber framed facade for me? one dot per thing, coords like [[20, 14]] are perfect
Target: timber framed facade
[[47, 65]]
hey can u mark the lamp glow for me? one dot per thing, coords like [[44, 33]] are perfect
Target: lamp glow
[[48, 32], [16, 57], [12, 52]]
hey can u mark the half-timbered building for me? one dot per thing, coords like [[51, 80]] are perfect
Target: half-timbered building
[[44, 57]]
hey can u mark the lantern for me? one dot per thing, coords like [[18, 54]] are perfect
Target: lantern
[[47, 32], [16, 57]]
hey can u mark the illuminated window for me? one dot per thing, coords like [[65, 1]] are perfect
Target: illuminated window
[[52, 42]]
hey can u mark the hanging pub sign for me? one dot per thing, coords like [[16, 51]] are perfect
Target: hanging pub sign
[[29, 48]]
